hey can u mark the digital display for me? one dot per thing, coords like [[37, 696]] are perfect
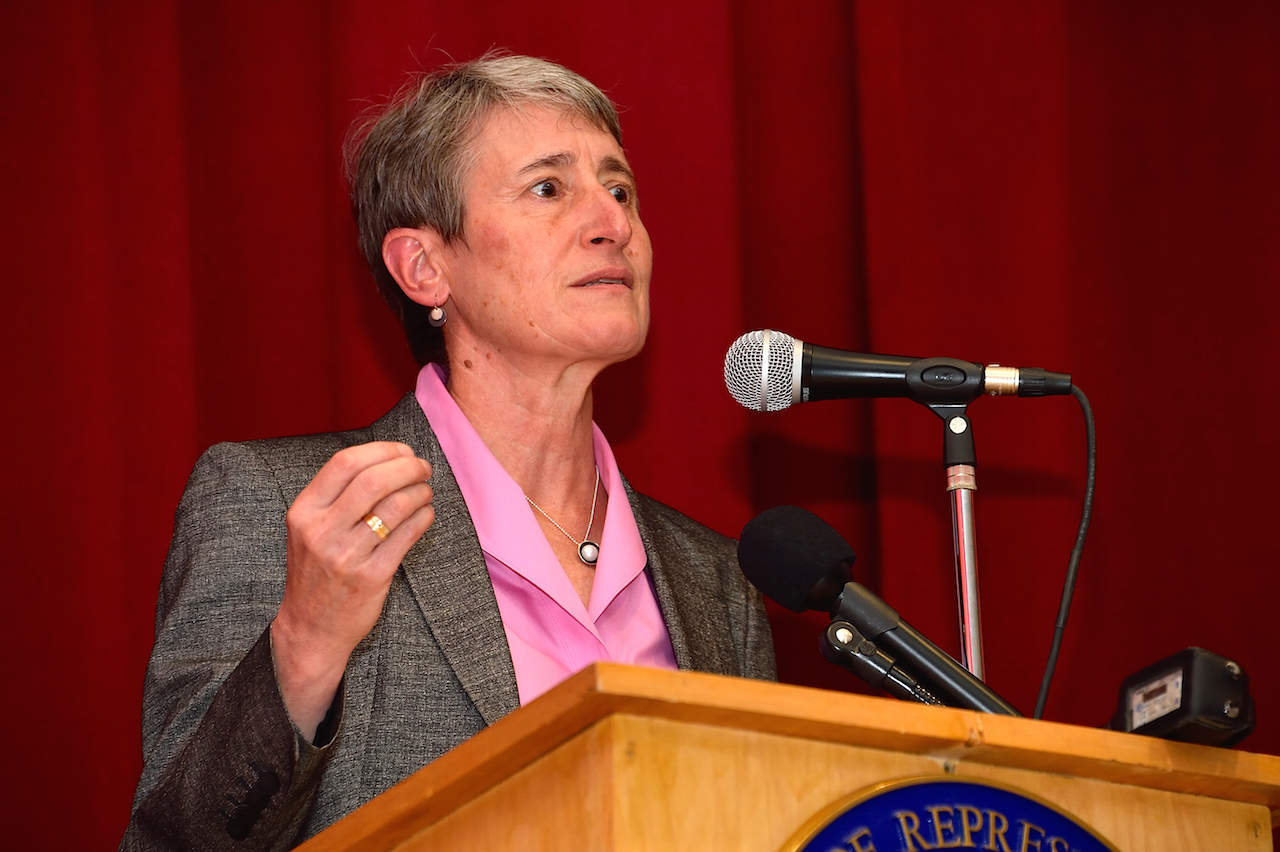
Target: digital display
[[1155, 699]]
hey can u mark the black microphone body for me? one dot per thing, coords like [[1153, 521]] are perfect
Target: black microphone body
[[836, 374]]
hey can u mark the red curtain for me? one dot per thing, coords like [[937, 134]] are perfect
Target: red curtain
[[1086, 186]]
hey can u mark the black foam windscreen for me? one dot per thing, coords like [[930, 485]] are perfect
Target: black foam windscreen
[[795, 558]]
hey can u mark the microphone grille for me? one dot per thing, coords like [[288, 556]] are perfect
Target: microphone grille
[[758, 370]]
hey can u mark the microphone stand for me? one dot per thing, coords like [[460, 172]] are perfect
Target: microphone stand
[[946, 386], [960, 458]]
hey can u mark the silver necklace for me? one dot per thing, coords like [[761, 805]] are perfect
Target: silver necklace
[[588, 550]]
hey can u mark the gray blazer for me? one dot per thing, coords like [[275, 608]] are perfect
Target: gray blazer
[[224, 768]]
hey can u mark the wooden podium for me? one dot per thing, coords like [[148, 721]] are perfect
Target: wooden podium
[[622, 758]]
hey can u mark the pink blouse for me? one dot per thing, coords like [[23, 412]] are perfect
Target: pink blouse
[[550, 633]]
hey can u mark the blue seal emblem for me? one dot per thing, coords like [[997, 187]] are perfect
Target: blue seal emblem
[[944, 813]]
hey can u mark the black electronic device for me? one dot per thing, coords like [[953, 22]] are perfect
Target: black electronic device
[[1194, 696]]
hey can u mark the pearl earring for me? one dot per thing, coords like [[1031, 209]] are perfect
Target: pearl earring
[[436, 316]]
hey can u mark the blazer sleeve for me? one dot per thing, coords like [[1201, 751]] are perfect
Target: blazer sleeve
[[224, 766], [758, 659], [748, 622]]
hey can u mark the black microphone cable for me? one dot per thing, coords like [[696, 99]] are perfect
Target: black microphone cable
[[1073, 564]]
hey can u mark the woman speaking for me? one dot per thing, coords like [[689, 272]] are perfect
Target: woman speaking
[[339, 610]]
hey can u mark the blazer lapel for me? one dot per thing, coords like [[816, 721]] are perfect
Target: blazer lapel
[[447, 576], [696, 620]]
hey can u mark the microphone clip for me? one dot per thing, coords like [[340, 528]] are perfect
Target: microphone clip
[[842, 644], [946, 386], [945, 381]]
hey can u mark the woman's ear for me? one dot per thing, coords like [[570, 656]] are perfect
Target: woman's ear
[[415, 259]]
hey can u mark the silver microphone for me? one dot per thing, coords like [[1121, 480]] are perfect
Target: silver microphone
[[769, 371]]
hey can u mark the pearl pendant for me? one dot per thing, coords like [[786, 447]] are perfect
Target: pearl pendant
[[589, 553]]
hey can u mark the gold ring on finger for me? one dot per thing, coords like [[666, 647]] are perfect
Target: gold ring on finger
[[375, 523]]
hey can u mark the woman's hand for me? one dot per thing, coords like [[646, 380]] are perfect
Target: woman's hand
[[340, 568]]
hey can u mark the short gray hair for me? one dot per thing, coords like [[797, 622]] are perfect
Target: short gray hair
[[407, 161]]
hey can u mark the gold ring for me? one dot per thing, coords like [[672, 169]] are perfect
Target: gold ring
[[375, 523]]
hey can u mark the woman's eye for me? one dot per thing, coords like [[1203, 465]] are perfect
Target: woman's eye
[[545, 189], [621, 193]]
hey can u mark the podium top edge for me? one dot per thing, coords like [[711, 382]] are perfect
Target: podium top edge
[[603, 690]]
